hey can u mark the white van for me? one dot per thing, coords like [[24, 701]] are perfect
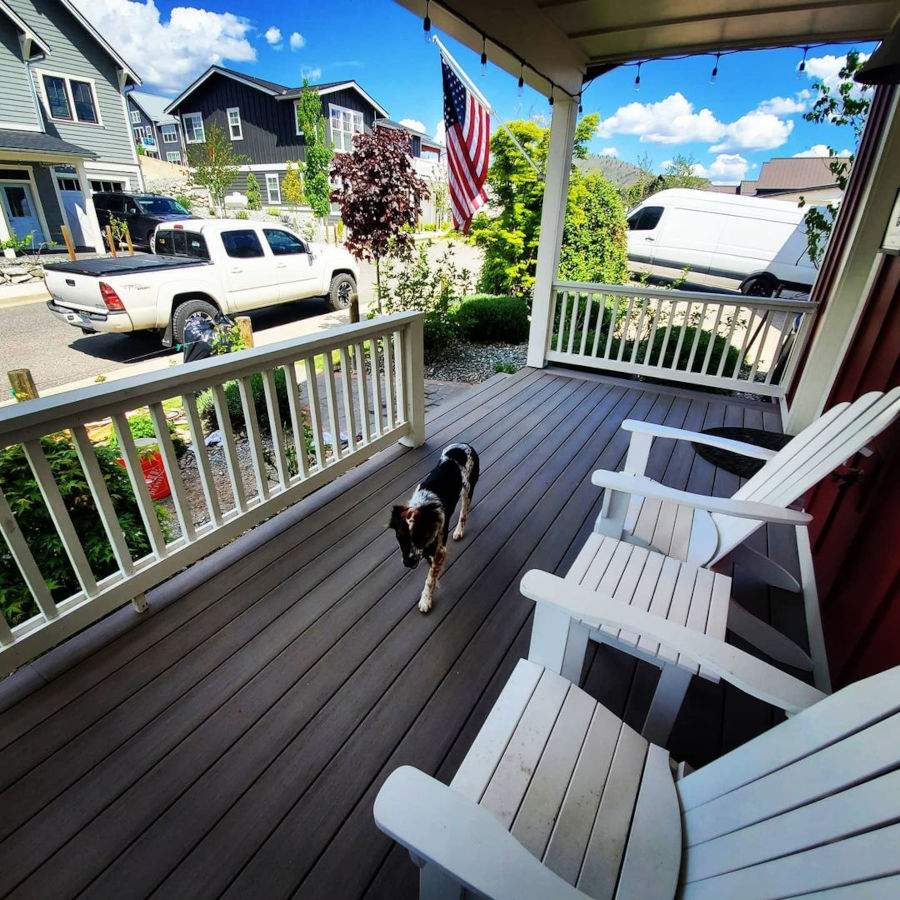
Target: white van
[[759, 243]]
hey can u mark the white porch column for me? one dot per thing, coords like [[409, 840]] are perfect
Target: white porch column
[[94, 235], [553, 216]]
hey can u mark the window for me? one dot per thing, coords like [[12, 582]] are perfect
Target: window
[[344, 124], [68, 184], [273, 188], [646, 219], [234, 124], [57, 97], [13, 175], [181, 243], [283, 243], [173, 156], [115, 203], [193, 128], [108, 186], [85, 108], [169, 134], [242, 244], [161, 206], [135, 117], [139, 133]]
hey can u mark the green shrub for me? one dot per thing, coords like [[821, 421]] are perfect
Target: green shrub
[[274, 212], [241, 214], [233, 398], [491, 317], [142, 427], [34, 520], [254, 198], [720, 346], [505, 368], [185, 201]]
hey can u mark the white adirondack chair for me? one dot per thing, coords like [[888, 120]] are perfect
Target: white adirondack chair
[[557, 798], [703, 530]]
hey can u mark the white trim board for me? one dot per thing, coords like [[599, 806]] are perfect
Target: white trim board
[[14, 126], [96, 165]]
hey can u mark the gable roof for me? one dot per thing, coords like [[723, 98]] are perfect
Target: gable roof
[[272, 88], [29, 33], [399, 126], [132, 75], [153, 105], [796, 173]]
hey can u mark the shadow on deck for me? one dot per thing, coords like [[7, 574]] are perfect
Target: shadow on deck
[[231, 742]]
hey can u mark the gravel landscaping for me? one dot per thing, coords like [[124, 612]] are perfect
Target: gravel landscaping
[[472, 363]]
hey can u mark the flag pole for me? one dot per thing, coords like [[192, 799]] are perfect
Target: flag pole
[[483, 100]]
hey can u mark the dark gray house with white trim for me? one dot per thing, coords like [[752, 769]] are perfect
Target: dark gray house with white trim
[[63, 127], [260, 119], [157, 132]]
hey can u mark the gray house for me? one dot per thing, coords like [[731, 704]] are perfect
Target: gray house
[[260, 119], [153, 128], [63, 125]]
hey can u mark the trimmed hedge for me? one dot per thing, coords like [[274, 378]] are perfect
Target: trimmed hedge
[[720, 346], [488, 318]]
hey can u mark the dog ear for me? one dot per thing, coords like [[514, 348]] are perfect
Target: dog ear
[[396, 516]]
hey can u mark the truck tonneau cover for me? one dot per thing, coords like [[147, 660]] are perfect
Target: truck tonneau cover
[[122, 265]]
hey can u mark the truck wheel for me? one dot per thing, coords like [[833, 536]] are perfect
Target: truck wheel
[[759, 286], [188, 309], [342, 288]]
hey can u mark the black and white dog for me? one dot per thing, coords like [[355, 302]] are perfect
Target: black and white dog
[[423, 523]]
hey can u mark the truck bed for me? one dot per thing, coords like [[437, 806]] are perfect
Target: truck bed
[[104, 267]]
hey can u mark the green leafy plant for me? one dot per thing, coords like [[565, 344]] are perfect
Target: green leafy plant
[[16, 243], [118, 227], [274, 211], [319, 150], [720, 346], [292, 186], [185, 201], [141, 427], [207, 409], [489, 317], [215, 164], [505, 368], [33, 518], [254, 198], [241, 214]]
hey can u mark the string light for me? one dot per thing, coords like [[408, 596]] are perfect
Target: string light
[[802, 67], [637, 78], [715, 71], [521, 78], [426, 24], [483, 56], [580, 105]]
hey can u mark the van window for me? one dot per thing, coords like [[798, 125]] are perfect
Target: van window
[[181, 243], [243, 244], [645, 219]]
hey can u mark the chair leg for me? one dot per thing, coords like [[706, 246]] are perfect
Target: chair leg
[[765, 569], [436, 884], [670, 690]]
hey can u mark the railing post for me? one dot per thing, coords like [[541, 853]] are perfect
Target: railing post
[[413, 375]]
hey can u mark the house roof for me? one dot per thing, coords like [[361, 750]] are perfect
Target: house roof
[[272, 88], [154, 106], [796, 173], [38, 142], [398, 126], [24, 27], [621, 174], [132, 75]]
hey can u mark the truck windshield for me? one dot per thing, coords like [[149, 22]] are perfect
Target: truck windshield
[[160, 206], [181, 243]]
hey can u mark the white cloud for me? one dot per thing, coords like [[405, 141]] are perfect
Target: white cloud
[[609, 151], [170, 54], [785, 106], [440, 132], [311, 73], [273, 37], [826, 68], [755, 131], [415, 124], [728, 168], [671, 121], [297, 40], [820, 150]]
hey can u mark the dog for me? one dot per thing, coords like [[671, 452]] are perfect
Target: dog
[[422, 524]]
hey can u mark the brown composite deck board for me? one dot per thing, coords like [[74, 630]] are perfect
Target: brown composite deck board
[[232, 742]]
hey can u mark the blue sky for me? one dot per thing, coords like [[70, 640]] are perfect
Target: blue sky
[[752, 113]]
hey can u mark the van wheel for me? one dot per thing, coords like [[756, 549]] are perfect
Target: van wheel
[[341, 291], [759, 286], [187, 310]]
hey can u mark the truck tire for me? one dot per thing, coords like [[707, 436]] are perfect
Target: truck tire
[[185, 311], [342, 287], [759, 286]]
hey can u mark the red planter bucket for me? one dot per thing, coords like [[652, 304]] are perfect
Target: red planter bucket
[[154, 474]]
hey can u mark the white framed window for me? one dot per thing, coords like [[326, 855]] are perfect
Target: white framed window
[[70, 99], [140, 133], [169, 134], [234, 123], [68, 183], [107, 186], [135, 117], [273, 188], [173, 156], [344, 124], [193, 128]]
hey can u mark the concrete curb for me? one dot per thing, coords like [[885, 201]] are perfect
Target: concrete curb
[[18, 294]]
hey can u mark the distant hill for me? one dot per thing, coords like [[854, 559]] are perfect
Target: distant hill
[[621, 174]]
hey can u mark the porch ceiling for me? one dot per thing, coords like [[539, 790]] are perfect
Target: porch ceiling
[[567, 39]]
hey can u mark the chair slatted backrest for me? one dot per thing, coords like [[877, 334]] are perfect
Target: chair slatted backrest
[[811, 805], [819, 449]]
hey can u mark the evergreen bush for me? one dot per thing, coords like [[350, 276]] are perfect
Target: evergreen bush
[[236, 411], [487, 318]]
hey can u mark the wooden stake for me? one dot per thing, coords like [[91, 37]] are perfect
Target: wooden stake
[[112, 243], [246, 327], [128, 241], [354, 307], [23, 384], [67, 238]]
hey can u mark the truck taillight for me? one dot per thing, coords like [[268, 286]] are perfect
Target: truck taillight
[[111, 298]]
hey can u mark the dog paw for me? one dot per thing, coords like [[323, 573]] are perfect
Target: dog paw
[[425, 604], [458, 534]]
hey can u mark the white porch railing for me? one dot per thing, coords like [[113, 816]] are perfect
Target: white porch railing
[[741, 343], [370, 377]]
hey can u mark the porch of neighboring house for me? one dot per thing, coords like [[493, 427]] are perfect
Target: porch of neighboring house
[[230, 741]]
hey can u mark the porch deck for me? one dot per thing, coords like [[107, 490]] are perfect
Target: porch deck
[[230, 742]]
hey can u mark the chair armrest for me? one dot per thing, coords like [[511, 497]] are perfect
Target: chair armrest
[[751, 675], [679, 434], [643, 486], [461, 838]]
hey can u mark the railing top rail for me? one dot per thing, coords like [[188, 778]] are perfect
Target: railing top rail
[[699, 296], [46, 415]]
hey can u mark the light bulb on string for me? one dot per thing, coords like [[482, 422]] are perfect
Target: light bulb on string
[[521, 78], [715, 71], [483, 56], [802, 67], [637, 78], [426, 23]]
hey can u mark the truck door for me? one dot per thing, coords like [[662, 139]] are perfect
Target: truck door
[[251, 279], [297, 275], [642, 233]]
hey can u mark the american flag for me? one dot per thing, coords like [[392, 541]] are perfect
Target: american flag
[[468, 127]]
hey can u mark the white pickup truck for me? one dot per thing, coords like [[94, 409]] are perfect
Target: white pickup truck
[[199, 267]]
